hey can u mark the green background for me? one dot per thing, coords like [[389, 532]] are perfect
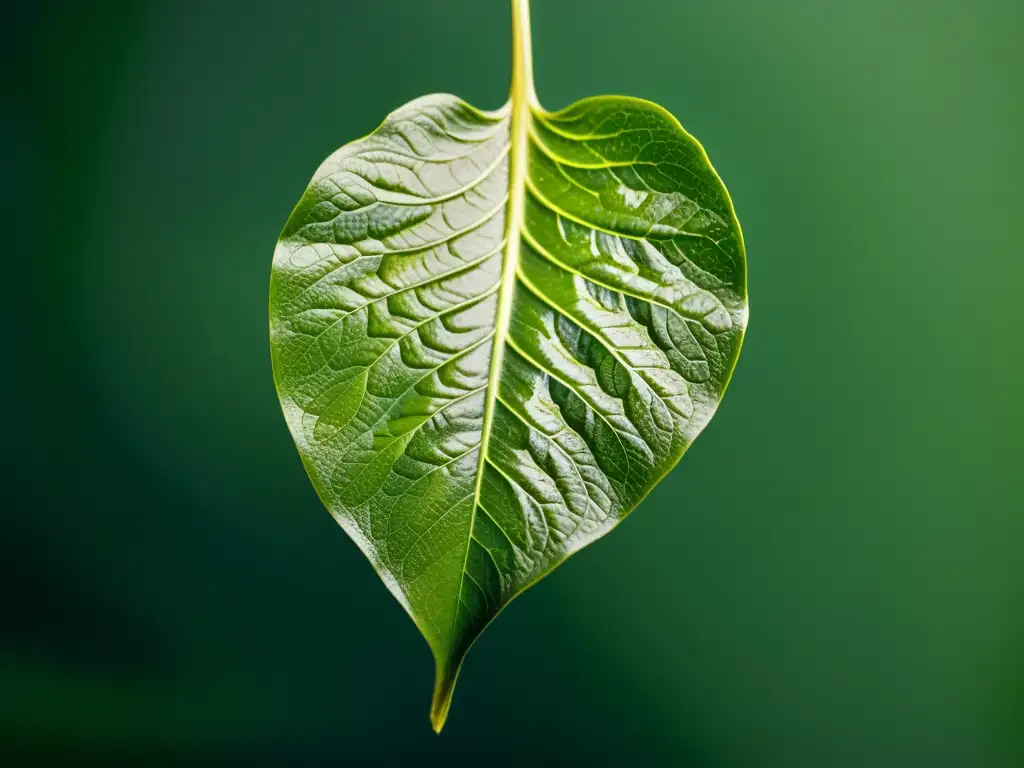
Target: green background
[[834, 575]]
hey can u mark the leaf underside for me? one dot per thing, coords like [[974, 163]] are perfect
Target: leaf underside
[[484, 370]]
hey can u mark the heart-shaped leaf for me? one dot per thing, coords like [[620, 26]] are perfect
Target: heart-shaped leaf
[[494, 332]]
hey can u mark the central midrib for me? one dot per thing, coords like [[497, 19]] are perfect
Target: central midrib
[[521, 100], [518, 138]]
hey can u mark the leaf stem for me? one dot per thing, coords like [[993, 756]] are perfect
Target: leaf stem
[[522, 56]]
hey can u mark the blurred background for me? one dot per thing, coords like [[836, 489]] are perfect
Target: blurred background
[[834, 576]]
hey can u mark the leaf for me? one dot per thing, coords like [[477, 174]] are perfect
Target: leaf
[[494, 332]]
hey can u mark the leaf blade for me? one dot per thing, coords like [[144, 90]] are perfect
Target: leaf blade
[[493, 333]]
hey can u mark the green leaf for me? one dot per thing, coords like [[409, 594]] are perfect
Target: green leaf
[[494, 332]]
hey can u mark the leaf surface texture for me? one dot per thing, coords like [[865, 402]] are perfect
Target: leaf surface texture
[[494, 332]]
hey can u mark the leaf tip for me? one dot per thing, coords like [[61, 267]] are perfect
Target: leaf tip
[[444, 687], [438, 718], [440, 704]]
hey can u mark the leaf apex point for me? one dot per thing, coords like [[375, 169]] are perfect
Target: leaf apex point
[[441, 701]]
